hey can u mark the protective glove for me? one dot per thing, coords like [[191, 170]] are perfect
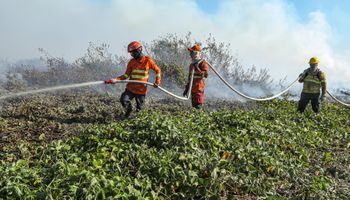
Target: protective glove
[[323, 98], [185, 91], [303, 75], [110, 81], [155, 85]]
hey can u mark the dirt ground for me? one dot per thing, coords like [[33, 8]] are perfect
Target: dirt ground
[[46, 117]]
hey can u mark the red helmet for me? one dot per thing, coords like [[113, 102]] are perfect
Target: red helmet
[[133, 46]]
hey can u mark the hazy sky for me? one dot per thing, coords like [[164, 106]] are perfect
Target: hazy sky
[[278, 34]]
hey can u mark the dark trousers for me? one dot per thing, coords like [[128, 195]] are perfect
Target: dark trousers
[[304, 100], [126, 99]]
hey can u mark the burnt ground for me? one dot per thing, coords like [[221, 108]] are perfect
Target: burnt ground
[[46, 117]]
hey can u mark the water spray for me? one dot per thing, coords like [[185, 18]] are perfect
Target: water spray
[[50, 89], [164, 90]]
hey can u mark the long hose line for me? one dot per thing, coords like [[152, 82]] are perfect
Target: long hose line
[[51, 89], [248, 97], [162, 89], [337, 100]]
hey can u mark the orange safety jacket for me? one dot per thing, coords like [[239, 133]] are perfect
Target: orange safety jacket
[[200, 73], [138, 70]]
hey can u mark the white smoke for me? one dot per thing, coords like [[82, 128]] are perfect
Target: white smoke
[[263, 33]]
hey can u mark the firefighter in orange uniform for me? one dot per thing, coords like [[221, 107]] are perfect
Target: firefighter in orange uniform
[[200, 67], [137, 69]]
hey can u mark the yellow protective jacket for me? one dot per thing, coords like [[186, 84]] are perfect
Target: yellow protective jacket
[[314, 81]]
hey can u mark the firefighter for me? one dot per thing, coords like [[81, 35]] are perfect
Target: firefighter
[[137, 69], [200, 67], [314, 80]]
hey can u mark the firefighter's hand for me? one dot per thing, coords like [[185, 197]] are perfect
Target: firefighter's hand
[[155, 85], [302, 77], [185, 92], [110, 81], [304, 74], [323, 98]]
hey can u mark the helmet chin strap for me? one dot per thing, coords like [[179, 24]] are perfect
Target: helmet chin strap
[[196, 56]]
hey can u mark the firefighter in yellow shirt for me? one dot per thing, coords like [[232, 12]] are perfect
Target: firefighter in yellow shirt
[[314, 80]]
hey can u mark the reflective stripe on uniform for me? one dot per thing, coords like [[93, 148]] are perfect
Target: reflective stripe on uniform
[[139, 71], [312, 84], [197, 75], [158, 75], [126, 76], [138, 76], [312, 80]]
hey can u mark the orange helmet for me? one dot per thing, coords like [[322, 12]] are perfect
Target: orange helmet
[[196, 47], [133, 46]]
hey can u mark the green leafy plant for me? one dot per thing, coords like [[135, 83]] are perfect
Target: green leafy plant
[[269, 152]]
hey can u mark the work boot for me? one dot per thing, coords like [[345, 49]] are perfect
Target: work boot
[[198, 107], [128, 112]]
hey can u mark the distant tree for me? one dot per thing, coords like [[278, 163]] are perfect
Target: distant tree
[[169, 52]]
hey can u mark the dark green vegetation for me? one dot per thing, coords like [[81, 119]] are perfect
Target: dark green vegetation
[[77, 146]]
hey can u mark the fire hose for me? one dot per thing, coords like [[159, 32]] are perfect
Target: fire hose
[[162, 89], [268, 98], [248, 97], [337, 100], [168, 92], [50, 89]]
